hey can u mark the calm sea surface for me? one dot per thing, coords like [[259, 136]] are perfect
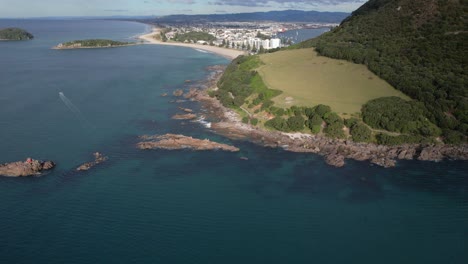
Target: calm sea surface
[[183, 206], [299, 35]]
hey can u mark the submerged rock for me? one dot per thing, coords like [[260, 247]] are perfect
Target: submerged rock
[[174, 142], [98, 158], [30, 167], [186, 110], [178, 92], [184, 117]]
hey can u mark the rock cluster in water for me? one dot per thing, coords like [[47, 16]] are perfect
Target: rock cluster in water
[[98, 158], [30, 167], [184, 116], [174, 142]]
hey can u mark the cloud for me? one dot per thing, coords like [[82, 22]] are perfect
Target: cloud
[[186, 2], [289, 3], [116, 10], [179, 2]]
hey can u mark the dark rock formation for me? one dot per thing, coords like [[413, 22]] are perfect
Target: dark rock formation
[[178, 93], [173, 142], [186, 110], [184, 117], [98, 158], [336, 160], [30, 167]]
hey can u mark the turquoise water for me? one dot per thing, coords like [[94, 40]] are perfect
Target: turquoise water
[[183, 206]]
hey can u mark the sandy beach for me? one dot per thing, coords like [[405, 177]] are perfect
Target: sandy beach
[[227, 53]]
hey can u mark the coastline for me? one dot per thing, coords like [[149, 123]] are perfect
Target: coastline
[[335, 151], [227, 53]]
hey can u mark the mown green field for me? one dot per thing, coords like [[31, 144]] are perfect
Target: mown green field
[[307, 79]]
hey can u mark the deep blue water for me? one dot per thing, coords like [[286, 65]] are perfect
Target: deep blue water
[[183, 206]]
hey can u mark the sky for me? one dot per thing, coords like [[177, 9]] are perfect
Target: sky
[[47, 8]]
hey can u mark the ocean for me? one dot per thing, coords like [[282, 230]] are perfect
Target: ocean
[[299, 35], [185, 206]]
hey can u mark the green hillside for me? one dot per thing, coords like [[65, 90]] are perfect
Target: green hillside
[[418, 46], [15, 34]]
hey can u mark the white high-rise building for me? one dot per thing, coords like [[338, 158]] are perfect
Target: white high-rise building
[[266, 44], [275, 43]]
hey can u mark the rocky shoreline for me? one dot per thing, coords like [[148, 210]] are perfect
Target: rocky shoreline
[[177, 142], [335, 151], [29, 167]]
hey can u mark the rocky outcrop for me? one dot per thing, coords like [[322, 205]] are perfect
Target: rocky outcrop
[[30, 167], [184, 116], [336, 160], [98, 159], [186, 110], [335, 151], [174, 142], [178, 93]]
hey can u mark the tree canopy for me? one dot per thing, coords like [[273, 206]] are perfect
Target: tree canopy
[[418, 46], [15, 34]]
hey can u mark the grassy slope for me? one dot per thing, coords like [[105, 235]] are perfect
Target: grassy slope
[[311, 80], [418, 46]]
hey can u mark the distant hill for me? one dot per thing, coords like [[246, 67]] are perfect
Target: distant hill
[[15, 34], [276, 16], [418, 46]]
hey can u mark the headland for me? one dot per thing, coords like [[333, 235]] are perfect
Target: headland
[[229, 123]]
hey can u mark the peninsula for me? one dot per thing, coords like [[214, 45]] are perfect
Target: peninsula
[[93, 44], [15, 34]]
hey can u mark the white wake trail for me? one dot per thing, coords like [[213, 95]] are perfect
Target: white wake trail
[[74, 109]]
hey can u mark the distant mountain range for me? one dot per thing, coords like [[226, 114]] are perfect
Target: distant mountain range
[[275, 16]]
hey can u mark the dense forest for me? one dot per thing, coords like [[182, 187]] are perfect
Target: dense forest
[[419, 47], [15, 34]]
